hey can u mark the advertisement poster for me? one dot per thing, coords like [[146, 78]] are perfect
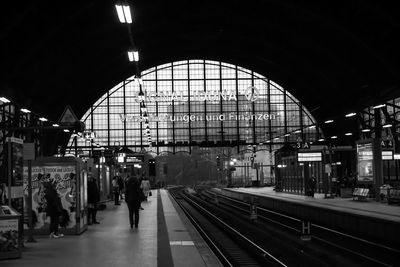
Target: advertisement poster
[[8, 235], [365, 161], [65, 180]]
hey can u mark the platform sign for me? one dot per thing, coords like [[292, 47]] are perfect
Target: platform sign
[[305, 231], [309, 156], [68, 117], [387, 155]]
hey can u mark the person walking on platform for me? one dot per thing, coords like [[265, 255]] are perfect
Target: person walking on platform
[[120, 182], [115, 189], [133, 195], [311, 185], [93, 199], [145, 186], [53, 207]]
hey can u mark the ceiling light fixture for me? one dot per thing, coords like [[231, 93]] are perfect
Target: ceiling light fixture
[[133, 56], [351, 114], [329, 121], [24, 110], [387, 125], [366, 130], [42, 119], [4, 100], [124, 13], [348, 134], [334, 137], [379, 106]]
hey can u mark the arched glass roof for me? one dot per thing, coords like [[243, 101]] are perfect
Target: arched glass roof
[[197, 102]]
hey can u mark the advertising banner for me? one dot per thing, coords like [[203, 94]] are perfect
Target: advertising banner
[[365, 159], [64, 177], [8, 235]]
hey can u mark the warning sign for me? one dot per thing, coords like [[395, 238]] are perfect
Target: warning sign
[[68, 117]]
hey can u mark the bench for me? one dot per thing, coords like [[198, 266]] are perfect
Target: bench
[[360, 193], [393, 195]]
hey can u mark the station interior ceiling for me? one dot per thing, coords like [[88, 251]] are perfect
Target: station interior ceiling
[[334, 56]]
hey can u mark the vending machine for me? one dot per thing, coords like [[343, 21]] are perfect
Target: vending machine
[[70, 178]]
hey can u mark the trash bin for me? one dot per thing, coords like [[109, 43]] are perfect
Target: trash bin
[[10, 232]]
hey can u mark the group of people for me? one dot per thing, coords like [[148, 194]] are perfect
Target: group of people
[[135, 192]]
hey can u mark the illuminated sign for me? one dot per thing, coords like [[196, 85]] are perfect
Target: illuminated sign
[[309, 156], [250, 93], [387, 155], [365, 164], [214, 117]]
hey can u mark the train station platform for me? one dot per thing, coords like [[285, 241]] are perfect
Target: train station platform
[[165, 237], [365, 218]]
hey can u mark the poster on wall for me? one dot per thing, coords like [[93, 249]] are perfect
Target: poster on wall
[[365, 162], [8, 235], [64, 178]]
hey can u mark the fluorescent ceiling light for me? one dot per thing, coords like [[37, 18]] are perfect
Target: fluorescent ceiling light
[[133, 56], [333, 137], [66, 130], [4, 100], [329, 121], [124, 13], [55, 125], [321, 139], [366, 130], [24, 110], [348, 134], [351, 114], [379, 106], [42, 119], [287, 135], [297, 131], [388, 125], [311, 127]]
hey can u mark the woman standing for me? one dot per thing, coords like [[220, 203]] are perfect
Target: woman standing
[[132, 199], [54, 208], [93, 199], [145, 186]]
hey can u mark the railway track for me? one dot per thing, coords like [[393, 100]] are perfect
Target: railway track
[[342, 246], [273, 239], [228, 244]]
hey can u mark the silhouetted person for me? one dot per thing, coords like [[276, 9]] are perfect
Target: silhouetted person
[[120, 182], [311, 185], [115, 190], [53, 207], [93, 199], [132, 198]]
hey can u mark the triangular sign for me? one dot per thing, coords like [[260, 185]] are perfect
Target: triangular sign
[[68, 116]]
